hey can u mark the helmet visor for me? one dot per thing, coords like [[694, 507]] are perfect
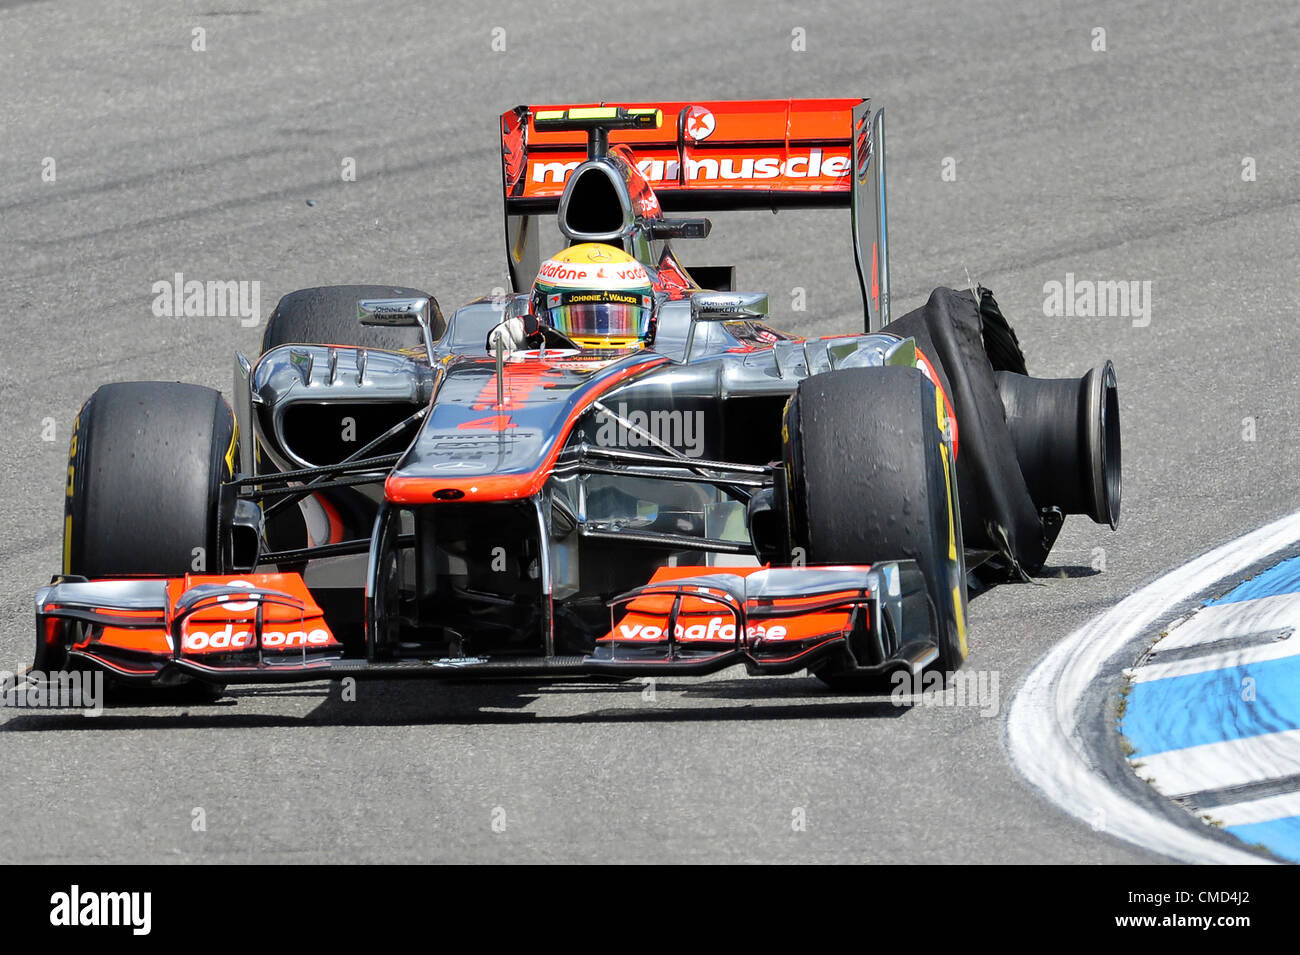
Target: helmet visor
[[598, 314]]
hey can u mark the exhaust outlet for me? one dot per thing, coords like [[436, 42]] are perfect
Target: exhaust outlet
[[1067, 439]]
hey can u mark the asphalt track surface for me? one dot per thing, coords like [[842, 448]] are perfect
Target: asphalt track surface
[[225, 164]]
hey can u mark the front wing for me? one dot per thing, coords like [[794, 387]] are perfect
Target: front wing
[[266, 628]]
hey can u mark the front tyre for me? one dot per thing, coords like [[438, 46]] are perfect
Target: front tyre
[[145, 468], [870, 480]]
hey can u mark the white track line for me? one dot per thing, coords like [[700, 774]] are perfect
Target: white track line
[[1044, 737], [1240, 619], [1216, 661], [1232, 762], [1268, 809]]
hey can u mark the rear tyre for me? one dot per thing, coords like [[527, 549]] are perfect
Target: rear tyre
[[328, 316], [870, 481], [1000, 341]]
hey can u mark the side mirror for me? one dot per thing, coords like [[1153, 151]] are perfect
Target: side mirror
[[680, 228], [401, 312], [728, 306], [723, 307]]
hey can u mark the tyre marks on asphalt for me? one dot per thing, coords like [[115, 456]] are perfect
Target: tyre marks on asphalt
[[1213, 711]]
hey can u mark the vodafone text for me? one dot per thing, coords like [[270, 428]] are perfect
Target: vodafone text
[[717, 628], [228, 638]]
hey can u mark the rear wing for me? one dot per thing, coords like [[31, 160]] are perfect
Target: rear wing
[[712, 156]]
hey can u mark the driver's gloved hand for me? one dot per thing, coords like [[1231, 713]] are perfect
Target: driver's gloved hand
[[512, 334]]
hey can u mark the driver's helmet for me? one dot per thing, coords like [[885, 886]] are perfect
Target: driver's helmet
[[596, 295]]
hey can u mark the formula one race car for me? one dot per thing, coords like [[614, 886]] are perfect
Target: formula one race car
[[619, 467]]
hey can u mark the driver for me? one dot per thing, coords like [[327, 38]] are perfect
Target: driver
[[594, 295]]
